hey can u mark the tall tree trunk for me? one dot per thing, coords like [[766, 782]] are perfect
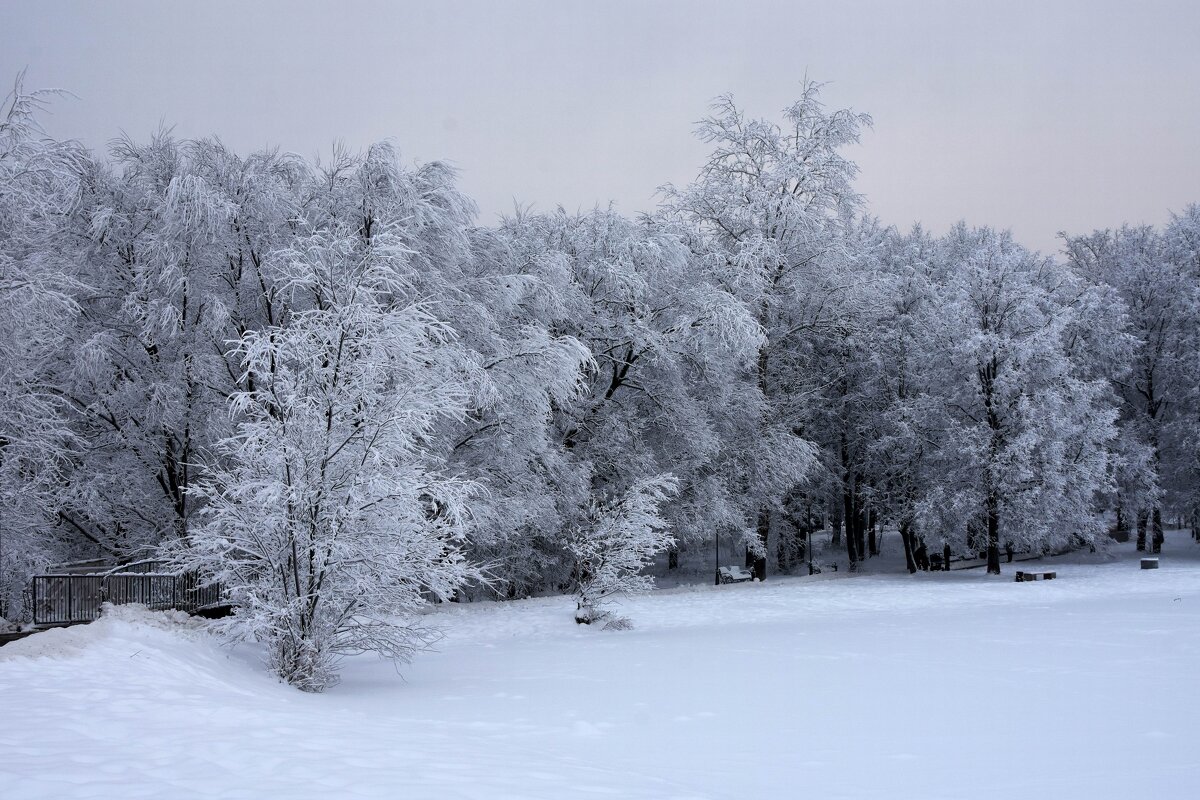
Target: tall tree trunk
[[798, 551], [851, 534], [988, 377], [758, 565], [850, 507], [673, 558], [872, 535], [860, 528], [993, 533], [717, 558], [1156, 525], [755, 563], [1141, 532], [910, 560], [1122, 524]]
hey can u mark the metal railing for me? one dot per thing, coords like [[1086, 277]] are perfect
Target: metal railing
[[67, 599]]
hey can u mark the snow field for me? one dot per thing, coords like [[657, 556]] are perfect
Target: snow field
[[951, 685]]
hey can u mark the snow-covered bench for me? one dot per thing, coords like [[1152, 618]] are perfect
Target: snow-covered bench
[[1023, 575], [734, 575]]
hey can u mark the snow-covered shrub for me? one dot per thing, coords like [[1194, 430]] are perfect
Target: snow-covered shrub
[[613, 550]]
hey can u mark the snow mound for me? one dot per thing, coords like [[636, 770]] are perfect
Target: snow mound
[[116, 623]]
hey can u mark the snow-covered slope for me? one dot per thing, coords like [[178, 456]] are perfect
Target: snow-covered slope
[[887, 686]]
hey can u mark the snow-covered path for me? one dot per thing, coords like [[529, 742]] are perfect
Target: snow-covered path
[[936, 686]]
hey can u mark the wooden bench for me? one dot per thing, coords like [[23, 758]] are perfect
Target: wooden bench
[[1023, 575], [734, 575]]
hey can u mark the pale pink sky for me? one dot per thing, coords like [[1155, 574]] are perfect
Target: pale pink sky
[[1038, 116]]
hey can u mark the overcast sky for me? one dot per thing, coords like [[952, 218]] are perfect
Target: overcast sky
[[1039, 116]]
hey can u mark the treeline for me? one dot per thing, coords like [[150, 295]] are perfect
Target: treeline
[[327, 385]]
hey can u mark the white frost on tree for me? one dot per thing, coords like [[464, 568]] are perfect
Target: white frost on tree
[[613, 545], [1016, 387], [1155, 276], [330, 523], [772, 205], [38, 191]]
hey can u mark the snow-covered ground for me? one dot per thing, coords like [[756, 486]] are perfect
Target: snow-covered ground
[[954, 685]]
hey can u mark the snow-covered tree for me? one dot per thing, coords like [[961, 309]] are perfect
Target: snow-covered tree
[[507, 442], [329, 519], [1016, 386], [841, 391], [753, 357], [771, 205], [614, 543], [38, 193], [174, 235], [906, 435], [671, 389], [1182, 245], [1157, 277]]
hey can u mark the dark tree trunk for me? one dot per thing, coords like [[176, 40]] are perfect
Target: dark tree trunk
[[860, 531], [1122, 524], [946, 557], [1141, 532], [860, 520], [1156, 525], [851, 534], [758, 564], [910, 560], [716, 558], [850, 507], [673, 558], [993, 534], [872, 535], [987, 380], [790, 548], [921, 554], [835, 525]]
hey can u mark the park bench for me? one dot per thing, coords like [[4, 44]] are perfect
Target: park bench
[[1025, 575], [734, 575]]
